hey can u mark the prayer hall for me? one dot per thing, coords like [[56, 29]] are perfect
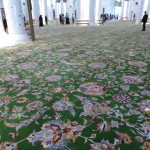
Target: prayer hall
[[74, 74]]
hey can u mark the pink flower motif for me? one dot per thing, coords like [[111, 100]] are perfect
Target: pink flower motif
[[139, 139], [147, 145]]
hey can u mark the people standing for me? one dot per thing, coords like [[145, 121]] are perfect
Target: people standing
[[67, 18], [62, 19], [46, 20], [41, 21], [103, 16], [144, 20], [134, 17]]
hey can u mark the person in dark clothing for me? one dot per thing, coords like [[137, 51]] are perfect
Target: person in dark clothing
[[103, 16], [46, 20], [62, 18], [5, 24], [144, 20], [67, 18], [41, 21]]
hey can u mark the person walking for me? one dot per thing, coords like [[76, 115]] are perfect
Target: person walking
[[46, 20], [41, 21], [144, 20]]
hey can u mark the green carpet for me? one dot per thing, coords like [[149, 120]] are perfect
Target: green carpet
[[77, 88]]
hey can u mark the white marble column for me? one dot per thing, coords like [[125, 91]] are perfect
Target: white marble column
[[50, 9], [43, 9], [2, 31], [4, 38], [24, 9], [57, 10], [92, 12], [16, 28], [122, 9], [82, 12], [148, 12], [62, 6], [35, 10], [140, 11], [146, 8], [98, 12], [130, 13], [72, 8], [125, 10], [69, 8]]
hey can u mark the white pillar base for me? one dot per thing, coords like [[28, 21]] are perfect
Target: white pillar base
[[99, 22], [92, 24], [82, 22], [6, 41], [12, 40], [18, 39]]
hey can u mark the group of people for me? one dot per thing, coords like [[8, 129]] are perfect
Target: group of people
[[41, 21], [65, 19], [104, 17], [110, 16]]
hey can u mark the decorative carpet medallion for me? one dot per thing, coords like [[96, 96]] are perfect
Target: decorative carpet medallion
[[119, 60], [22, 83], [64, 49], [8, 146], [5, 66], [27, 65], [101, 76], [36, 92], [22, 100], [147, 93], [23, 53], [54, 78], [9, 78], [62, 105], [121, 98], [61, 54], [143, 104], [137, 63], [91, 53], [132, 79], [92, 88], [4, 100], [97, 65], [2, 90], [57, 89], [34, 105]]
